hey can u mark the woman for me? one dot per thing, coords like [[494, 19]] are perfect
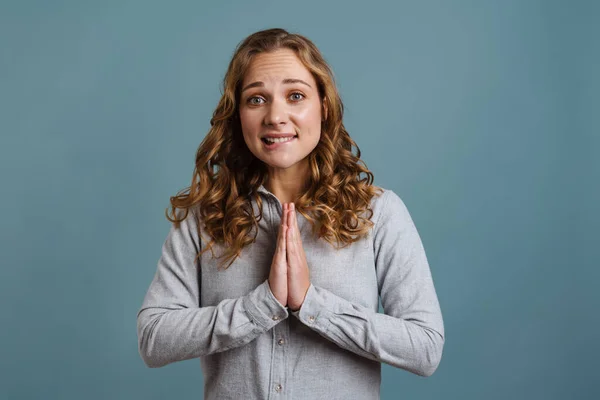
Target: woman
[[285, 303]]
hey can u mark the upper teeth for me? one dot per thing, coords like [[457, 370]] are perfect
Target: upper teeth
[[279, 140]]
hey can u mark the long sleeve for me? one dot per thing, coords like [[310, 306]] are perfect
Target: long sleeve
[[410, 332], [171, 324]]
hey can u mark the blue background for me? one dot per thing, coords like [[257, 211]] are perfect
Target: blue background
[[482, 116]]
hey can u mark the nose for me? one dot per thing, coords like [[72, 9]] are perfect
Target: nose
[[276, 114]]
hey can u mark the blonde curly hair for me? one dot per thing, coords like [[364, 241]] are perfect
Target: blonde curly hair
[[227, 175]]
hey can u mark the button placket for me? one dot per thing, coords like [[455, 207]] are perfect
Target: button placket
[[280, 335]]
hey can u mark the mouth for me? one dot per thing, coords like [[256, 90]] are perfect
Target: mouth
[[275, 140]]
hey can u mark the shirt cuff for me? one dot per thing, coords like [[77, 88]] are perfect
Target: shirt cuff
[[263, 308], [313, 311]]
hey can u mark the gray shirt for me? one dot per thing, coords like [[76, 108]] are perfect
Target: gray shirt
[[252, 347]]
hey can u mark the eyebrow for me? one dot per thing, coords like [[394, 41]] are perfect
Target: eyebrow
[[285, 82]]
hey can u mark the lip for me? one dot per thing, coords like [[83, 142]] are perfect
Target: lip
[[276, 145], [278, 135]]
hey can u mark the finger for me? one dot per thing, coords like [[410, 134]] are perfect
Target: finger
[[284, 244], [290, 220], [290, 244], [295, 223], [279, 237], [296, 241], [283, 227]]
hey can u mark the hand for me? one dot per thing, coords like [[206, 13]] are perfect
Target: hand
[[298, 275], [278, 273]]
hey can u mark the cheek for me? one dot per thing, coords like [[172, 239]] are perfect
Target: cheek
[[248, 122], [310, 117]]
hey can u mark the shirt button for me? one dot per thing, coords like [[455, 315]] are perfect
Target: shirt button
[[275, 317], [278, 388], [311, 318], [280, 342]]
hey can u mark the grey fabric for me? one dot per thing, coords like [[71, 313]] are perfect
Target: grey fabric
[[252, 347]]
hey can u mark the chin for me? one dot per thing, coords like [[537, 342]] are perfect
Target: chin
[[282, 163]]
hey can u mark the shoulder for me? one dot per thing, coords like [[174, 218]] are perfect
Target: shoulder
[[188, 227], [387, 205]]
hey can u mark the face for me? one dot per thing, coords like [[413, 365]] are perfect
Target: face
[[280, 111]]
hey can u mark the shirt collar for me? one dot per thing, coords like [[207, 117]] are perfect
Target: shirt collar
[[263, 190], [266, 193]]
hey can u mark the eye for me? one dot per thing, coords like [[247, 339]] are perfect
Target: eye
[[301, 96], [254, 103]]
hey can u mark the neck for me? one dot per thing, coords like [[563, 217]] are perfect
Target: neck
[[286, 184]]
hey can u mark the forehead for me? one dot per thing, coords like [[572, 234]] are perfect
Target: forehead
[[275, 66]]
